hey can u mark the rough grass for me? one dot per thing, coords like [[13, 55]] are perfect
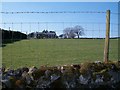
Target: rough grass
[[56, 52]]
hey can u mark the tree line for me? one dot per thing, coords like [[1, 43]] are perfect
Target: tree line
[[11, 36], [69, 32]]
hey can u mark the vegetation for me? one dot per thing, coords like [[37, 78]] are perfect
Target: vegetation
[[56, 52], [12, 36], [72, 32]]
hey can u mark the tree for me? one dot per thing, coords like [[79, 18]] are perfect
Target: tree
[[66, 32], [71, 32], [79, 31], [45, 31]]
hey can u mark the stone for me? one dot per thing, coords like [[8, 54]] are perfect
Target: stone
[[25, 69], [84, 79], [76, 66], [98, 62], [28, 79], [24, 74], [43, 83], [2, 69], [19, 84], [54, 77], [48, 73], [18, 73], [99, 80], [32, 69], [115, 76], [6, 83]]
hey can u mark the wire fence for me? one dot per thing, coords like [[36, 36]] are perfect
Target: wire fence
[[91, 29], [47, 51], [48, 12]]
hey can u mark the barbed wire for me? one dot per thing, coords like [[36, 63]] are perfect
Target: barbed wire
[[50, 22], [115, 13], [50, 12], [57, 22]]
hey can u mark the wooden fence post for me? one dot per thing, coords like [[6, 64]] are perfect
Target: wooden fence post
[[106, 47]]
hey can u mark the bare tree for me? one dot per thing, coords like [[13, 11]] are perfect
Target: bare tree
[[66, 32], [71, 32], [79, 31]]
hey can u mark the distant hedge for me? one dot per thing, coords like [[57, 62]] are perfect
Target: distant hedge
[[11, 36]]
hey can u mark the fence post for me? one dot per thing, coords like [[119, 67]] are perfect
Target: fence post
[[106, 47]]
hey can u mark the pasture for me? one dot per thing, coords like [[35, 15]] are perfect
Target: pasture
[[37, 52]]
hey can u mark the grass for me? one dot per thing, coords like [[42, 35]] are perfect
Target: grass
[[36, 52]]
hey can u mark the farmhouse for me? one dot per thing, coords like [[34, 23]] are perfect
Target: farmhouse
[[43, 34]]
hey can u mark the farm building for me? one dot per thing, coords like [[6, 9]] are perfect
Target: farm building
[[43, 34]]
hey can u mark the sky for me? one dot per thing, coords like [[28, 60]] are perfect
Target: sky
[[60, 0], [93, 24]]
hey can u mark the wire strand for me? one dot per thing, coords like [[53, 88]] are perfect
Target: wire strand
[[50, 12], [50, 22]]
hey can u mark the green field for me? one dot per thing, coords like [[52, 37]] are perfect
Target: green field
[[56, 51]]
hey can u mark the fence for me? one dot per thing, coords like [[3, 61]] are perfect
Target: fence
[[90, 46]]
